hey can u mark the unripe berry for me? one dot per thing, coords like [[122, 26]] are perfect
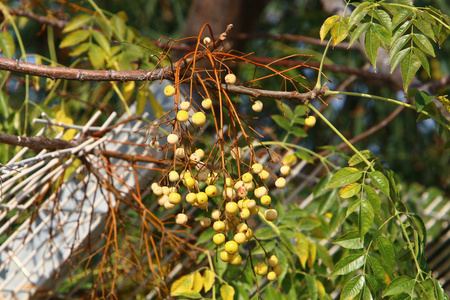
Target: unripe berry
[[261, 268], [205, 222], [240, 238], [231, 247], [266, 200], [277, 269], [191, 198], [280, 183], [215, 214], [231, 208], [174, 176], [310, 121], [202, 198], [185, 105], [230, 79], [219, 239], [172, 139], [207, 103], [257, 168], [257, 106], [271, 276], [211, 191], [254, 211], [264, 175], [219, 226], [273, 261], [260, 192], [199, 118], [285, 170], [271, 215], [289, 160], [181, 219], [236, 259], [247, 177], [169, 91], [244, 214], [203, 176], [229, 181], [174, 198]]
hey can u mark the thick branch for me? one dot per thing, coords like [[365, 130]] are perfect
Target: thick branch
[[35, 143]]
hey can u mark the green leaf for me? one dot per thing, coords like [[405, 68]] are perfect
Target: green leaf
[[421, 100], [350, 190], [424, 44], [182, 285], [423, 60], [190, 295], [350, 240], [282, 122], [353, 206], [384, 18], [298, 131], [374, 199], [352, 288], [419, 226], [357, 159], [425, 27], [300, 110], [400, 31], [387, 252], [227, 292], [409, 67], [366, 216], [157, 109], [344, 177], [356, 34], [366, 294], [210, 277], [371, 44], [349, 264], [96, 56], [312, 287], [379, 181], [141, 101], [74, 38], [402, 284], [400, 16], [265, 233], [383, 34], [377, 269], [77, 22], [101, 40], [324, 256], [7, 45], [397, 46], [339, 31], [118, 24], [286, 110], [358, 13], [399, 58], [326, 26], [303, 155], [80, 49]]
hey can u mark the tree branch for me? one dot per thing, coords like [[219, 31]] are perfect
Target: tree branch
[[36, 143]]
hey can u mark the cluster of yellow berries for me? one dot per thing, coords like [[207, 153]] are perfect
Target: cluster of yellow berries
[[232, 200]]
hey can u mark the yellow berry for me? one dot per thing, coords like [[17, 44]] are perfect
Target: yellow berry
[[242, 227], [247, 177], [245, 214], [266, 200], [230, 79], [271, 276], [163, 199], [219, 239], [310, 121], [189, 182], [202, 198], [264, 175], [237, 153], [229, 182], [257, 106], [181, 219], [225, 257], [200, 153], [191, 198], [168, 205], [257, 168], [157, 191], [211, 191], [285, 170], [250, 204], [199, 118], [207, 103], [289, 160], [174, 176], [261, 268], [271, 215], [249, 234], [182, 116], [260, 192], [229, 193], [231, 208], [219, 226], [174, 198], [236, 260], [231, 247], [180, 153], [154, 144], [215, 214], [273, 261], [277, 269], [280, 183], [240, 238], [172, 139], [169, 91]]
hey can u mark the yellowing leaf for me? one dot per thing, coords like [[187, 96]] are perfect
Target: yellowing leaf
[[128, 89], [77, 22], [96, 56], [74, 38], [7, 45], [350, 190], [60, 116], [339, 31], [227, 292], [209, 277], [302, 248], [312, 253], [445, 102], [327, 25], [198, 282], [182, 285]]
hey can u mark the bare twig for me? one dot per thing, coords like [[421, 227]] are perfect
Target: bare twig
[[36, 143]]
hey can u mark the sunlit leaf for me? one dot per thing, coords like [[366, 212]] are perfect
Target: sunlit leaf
[[423, 60], [400, 16], [424, 44], [344, 177], [399, 58], [397, 46], [383, 33], [77, 22], [425, 27], [326, 26], [357, 159], [366, 294], [402, 284], [358, 13], [182, 285], [349, 264], [227, 292], [80, 49], [401, 31], [74, 38], [7, 45], [350, 190], [356, 34], [353, 206], [350, 240], [312, 253], [339, 31], [379, 181], [387, 252], [302, 246], [352, 288], [101, 40], [118, 24], [282, 122], [303, 155], [209, 280]]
